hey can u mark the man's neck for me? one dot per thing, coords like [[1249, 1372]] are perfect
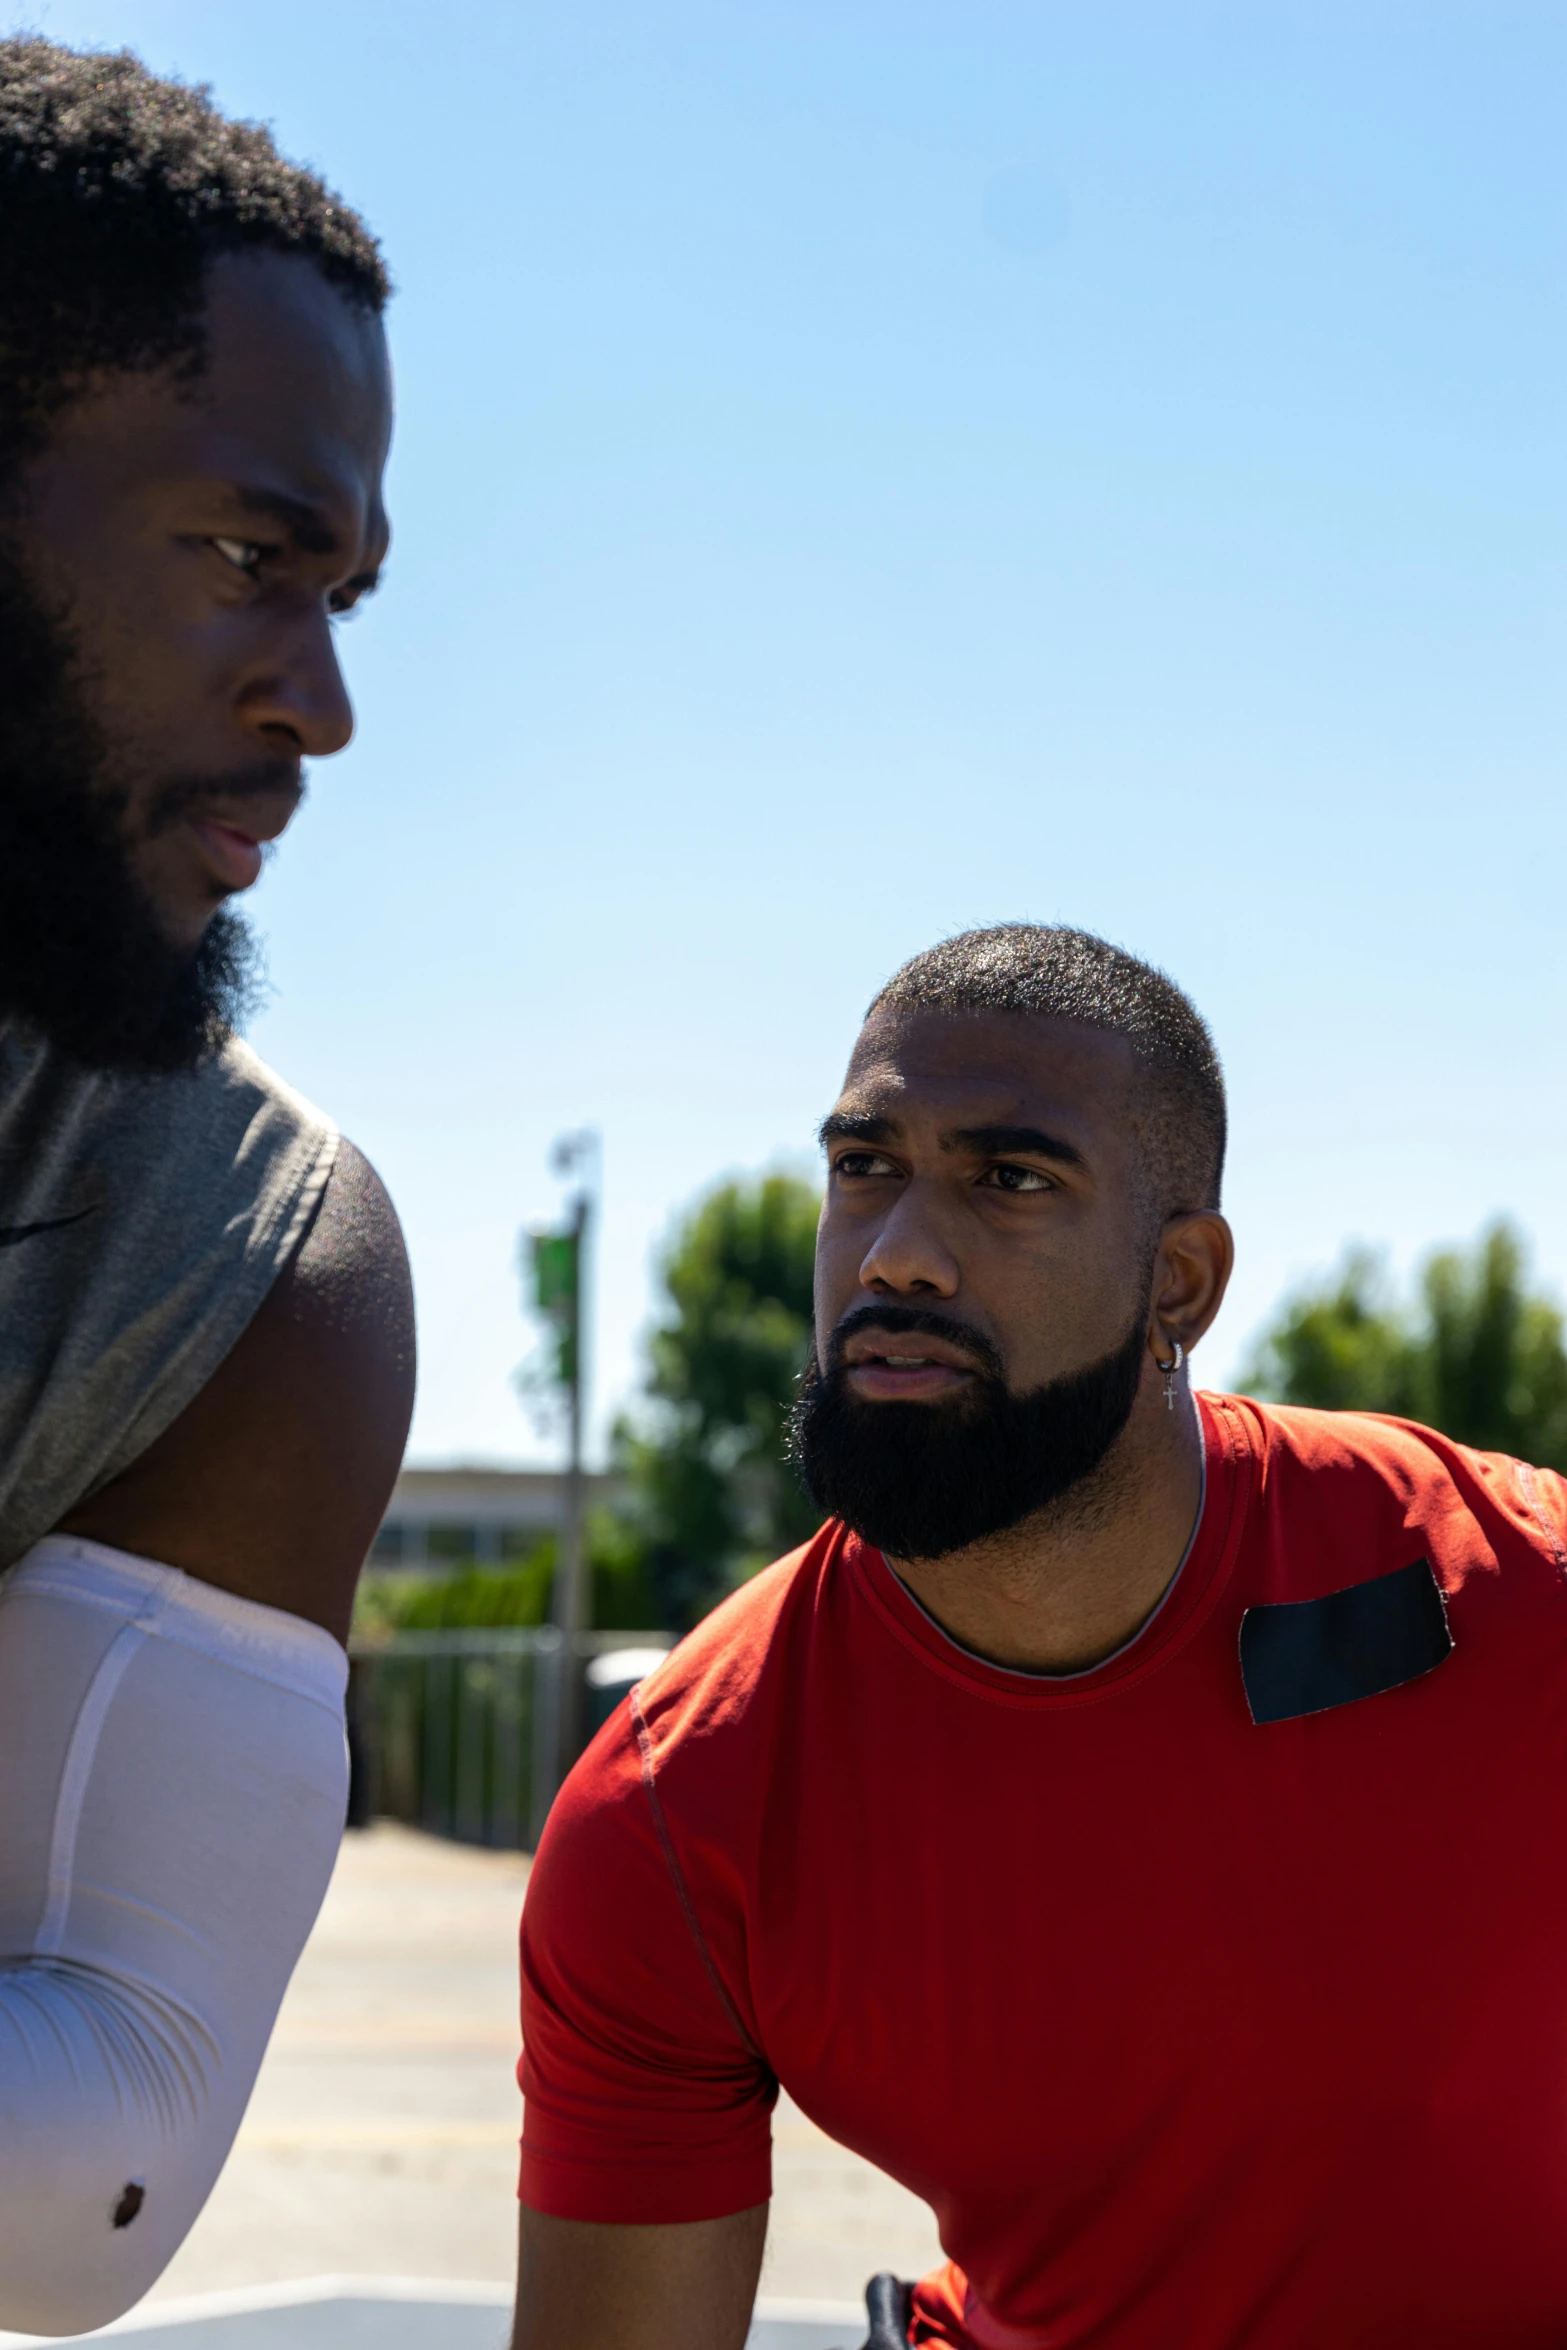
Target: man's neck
[[1073, 1583]]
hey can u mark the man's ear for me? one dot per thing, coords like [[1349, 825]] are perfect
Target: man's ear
[[1191, 1274]]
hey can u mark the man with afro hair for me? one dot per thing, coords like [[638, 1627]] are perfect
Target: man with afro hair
[[205, 1320]]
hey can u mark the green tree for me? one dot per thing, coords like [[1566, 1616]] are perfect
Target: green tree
[[712, 1489], [1341, 1344], [1476, 1353], [480, 1598]]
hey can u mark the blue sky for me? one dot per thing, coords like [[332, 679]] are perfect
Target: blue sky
[[870, 468]]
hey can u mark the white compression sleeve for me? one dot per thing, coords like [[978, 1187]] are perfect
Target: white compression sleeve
[[173, 1780]]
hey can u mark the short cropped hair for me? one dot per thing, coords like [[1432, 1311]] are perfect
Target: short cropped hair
[[1058, 974], [116, 191]]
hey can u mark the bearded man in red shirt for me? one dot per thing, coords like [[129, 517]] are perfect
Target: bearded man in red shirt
[[1136, 1821]]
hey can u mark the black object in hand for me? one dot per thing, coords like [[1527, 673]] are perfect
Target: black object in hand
[[889, 2303]]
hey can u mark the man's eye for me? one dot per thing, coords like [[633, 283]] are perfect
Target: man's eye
[[1016, 1179], [245, 554], [862, 1163]]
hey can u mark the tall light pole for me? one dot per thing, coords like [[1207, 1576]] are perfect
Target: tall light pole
[[560, 1279]]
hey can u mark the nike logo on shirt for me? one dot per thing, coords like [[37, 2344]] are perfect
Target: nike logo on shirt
[[10, 1234]]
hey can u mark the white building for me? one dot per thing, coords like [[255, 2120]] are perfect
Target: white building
[[460, 1516]]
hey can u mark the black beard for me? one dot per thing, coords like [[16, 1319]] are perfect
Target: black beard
[[83, 962], [921, 1480]]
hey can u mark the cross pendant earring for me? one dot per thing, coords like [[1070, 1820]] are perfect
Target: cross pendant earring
[[1171, 1372]]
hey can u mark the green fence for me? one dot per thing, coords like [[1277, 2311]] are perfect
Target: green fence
[[450, 1730]]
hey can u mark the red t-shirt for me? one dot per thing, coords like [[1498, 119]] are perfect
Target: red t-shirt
[[1197, 2035]]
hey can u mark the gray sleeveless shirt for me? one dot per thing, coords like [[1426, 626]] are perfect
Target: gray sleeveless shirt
[[142, 1221]]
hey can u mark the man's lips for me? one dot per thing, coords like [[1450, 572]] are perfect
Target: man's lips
[[882, 1363], [232, 857], [231, 847]]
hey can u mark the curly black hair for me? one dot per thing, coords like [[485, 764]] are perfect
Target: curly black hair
[[116, 190]]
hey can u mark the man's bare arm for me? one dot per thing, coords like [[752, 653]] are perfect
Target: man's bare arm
[[585, 2286], [272, 1482]]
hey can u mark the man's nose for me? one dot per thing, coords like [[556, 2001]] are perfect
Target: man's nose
[[303, 698], [910, 1255]]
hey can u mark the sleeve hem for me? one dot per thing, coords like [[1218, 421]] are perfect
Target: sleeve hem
[[640, 2194]]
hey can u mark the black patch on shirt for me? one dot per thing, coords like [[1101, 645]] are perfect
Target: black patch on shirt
[[1304, 1656]]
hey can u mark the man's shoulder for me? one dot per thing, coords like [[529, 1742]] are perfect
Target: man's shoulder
[[227, 1139], [1334, 1478], [693, 1752], [727, 1666], [238, 1073], [37, 1082], [1365, 1447], [231, 1118], [272, 1479], [144, 1221]]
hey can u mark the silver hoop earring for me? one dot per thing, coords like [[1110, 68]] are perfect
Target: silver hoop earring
[[1172, 1371]]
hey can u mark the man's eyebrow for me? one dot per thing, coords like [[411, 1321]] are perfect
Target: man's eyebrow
[[308, 527], [999, 1142], [301, 517], [855, 1126], [980, 1142]]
